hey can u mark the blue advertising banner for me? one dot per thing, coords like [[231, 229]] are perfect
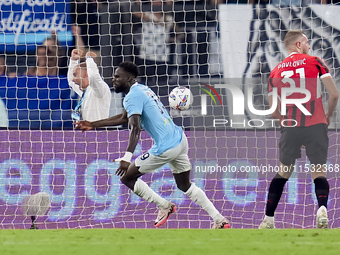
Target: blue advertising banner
[[24, 24], [36, 102]]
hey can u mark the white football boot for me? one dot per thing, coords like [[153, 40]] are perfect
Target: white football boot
[[163, 214], [267, 223], [322, 218], [223, 224]]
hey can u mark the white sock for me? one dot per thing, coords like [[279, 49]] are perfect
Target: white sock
[[144, 191], [200, 198], [269, 219]]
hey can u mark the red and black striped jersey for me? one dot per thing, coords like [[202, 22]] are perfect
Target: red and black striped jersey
[[300, 71]]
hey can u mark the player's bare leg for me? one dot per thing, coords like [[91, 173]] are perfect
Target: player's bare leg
[[274, 195], [199, 197], [139, 187], [318, 173]]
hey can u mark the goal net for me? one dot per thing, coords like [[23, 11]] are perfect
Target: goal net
[[208, 47]]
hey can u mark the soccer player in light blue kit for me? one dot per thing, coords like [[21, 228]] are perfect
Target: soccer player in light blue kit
[[143, 110]]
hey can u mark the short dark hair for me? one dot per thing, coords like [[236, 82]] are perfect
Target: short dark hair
[[130, 67], [292, 36]]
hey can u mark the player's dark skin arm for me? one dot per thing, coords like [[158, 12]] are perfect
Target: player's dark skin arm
[[116, 120], [134, 123]]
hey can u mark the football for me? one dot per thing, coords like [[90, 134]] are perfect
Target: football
[[180, 98]]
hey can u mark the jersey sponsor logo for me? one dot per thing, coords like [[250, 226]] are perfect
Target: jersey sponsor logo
[[167, 121]]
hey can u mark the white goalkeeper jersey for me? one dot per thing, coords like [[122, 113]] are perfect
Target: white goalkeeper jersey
[[96, 101]]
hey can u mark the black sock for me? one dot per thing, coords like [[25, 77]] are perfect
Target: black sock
[[274, 194], [321, 190]]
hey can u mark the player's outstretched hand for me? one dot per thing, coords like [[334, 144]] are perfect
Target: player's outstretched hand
[[76, 54], [123, 167], [83, 125], [91, 54]]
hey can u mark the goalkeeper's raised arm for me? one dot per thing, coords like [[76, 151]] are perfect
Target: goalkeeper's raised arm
[[94, 93]]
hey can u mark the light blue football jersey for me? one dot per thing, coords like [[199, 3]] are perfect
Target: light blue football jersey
[[154, 118]]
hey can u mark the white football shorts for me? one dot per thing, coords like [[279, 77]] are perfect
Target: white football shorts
[[177, 158]]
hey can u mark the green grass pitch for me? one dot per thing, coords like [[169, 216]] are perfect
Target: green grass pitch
[[170, 241]]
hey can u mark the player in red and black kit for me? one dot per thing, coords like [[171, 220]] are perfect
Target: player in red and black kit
[[304, 124]]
